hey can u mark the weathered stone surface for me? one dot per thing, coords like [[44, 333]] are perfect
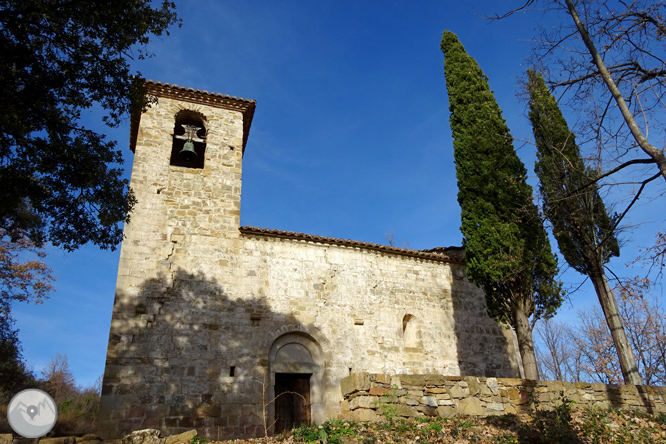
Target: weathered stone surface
[[413, 380], [446, 411], [60, 440], [470, 406], [495, 407], [5, 438], [364, 415], [354, 383], [472, 385], [364, 402], [405, 411], [182, 438], [379, 391], [459, 392], [20, 440], [436, 390], [147, 436], [208, 410], [429, 401]]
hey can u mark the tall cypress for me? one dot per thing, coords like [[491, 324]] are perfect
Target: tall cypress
[[506, 248], [584, 230]]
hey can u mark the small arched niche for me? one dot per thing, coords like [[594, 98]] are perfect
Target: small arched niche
[[411, 331], [189, 139]]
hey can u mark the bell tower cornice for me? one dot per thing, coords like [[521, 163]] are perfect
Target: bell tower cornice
[[244, 106]]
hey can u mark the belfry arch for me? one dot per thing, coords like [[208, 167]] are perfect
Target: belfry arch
[[296, 365]]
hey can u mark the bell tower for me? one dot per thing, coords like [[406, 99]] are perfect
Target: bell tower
[[186, 177]]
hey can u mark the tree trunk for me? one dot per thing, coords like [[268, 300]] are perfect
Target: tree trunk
[[525, 343], [609, 306]]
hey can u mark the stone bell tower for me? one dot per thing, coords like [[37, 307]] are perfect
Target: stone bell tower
[[186, 178]]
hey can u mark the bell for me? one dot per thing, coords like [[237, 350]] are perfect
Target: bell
[[187, 153]]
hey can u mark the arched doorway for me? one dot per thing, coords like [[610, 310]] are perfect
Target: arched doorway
[[296, 369]]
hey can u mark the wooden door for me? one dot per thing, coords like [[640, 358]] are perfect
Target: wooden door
[[292, 403]]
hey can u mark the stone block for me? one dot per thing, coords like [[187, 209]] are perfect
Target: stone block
[[405, 411], [459, 392], [435, 380], [436, 390], [413, 380], [364, 415], [446, 411], [429, 401], [6, 438], [379, 391], [471, 406], [61, 440], [493, 385], [354, 383], [495, 407], [147, 436], [182, 438], [472, 385], [363, 402], [208, 410], [517, 397], [427, 410], [381, 378]]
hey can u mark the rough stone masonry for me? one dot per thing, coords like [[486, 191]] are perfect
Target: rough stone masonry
[[212, 320]]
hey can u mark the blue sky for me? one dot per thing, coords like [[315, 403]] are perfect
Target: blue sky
[[350, 137]]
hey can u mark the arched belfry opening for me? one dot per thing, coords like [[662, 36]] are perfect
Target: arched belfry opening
[[296, 367], [189, 139]]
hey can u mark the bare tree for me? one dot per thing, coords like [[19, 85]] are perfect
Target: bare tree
[[585, 352], [608, 60], [558, 358], [59, 378]]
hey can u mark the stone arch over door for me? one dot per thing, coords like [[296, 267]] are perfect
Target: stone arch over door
[[298, 353]]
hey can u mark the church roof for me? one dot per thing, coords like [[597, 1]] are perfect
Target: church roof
[[443, 254]]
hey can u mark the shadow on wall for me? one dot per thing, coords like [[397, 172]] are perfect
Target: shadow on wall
[[184, 355], [483, 345]]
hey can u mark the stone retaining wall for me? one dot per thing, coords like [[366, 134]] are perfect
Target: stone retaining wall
[[369, 396]]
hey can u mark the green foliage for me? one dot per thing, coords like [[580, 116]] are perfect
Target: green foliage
[[556, 425], [13, 374], [385, 408], [506, 438], [77, 411], [199, 440], [584, 230], [330, 432], [506, 248], [539, 427], [58, 182]]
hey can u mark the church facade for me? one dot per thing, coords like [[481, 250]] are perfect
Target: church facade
[[230, 329]]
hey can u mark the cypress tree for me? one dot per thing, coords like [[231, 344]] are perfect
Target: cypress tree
[[584, 230], [506, 248]]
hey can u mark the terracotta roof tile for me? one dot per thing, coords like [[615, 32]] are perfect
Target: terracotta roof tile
[[444, 254]]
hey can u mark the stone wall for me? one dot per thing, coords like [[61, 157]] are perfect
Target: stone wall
[[368, 397]]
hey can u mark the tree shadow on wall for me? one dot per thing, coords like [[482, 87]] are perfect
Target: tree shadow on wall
[[183, 354], [483, 347]]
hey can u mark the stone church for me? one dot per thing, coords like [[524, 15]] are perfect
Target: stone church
[[213, 320]]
